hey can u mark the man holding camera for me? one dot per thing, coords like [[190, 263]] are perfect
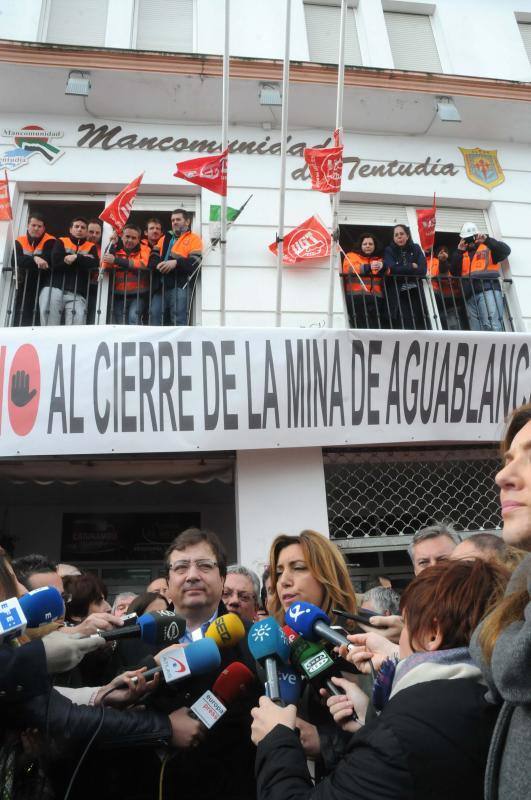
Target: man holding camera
[[478, 258]]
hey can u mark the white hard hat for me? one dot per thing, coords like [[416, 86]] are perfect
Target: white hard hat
[[469, 229]]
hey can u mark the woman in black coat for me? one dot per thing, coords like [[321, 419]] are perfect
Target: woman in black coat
[[405, 263], [431, 740]]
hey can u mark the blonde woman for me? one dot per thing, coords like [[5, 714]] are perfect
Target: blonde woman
[[308, 568]]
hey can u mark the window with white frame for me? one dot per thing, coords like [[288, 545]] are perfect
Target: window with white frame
[[525, 33], [412, 41], [165, 25], [322, 28], [81, 22]]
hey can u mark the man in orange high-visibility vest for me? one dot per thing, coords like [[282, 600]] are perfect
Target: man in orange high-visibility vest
[[477, 259]]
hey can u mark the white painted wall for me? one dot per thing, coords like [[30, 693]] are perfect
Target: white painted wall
[[277, 491], [251, 268], [474, 37]]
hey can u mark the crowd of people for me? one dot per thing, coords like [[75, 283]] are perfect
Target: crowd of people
[[424, 695], [383, 286], [152, 275], [150, 272]]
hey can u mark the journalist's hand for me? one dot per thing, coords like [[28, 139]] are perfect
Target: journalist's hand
[[186, 731], [65, 652], [267, 716]]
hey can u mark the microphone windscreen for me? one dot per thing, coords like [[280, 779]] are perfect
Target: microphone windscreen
[[226, 631], [303, 616], [202, 656], [290, 685], [233, 683], [160, 628], [290, 634], [42, 606], [267, 639]]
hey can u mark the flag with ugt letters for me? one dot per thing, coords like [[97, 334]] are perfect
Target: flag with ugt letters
[[426, 225], [306, 242], [209, 172], [117, 212], [5, 203], [326, 166]]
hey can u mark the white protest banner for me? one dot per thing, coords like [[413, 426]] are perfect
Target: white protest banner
[[95, 390]]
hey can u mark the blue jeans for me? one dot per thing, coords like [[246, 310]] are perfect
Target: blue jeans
[[485, 311], [175, 307], [134, 308]]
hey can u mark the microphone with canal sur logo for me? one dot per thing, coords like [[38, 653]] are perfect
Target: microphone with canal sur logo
[[269, 646], [160, 628]]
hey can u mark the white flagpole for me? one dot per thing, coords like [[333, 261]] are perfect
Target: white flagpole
[[283, 148], [335, 199], [224, 145]]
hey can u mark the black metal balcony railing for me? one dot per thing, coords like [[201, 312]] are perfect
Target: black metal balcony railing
[[117, 296], [142, 297], [414, 303]]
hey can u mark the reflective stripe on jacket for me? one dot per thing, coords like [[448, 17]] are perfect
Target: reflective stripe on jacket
[[128, 282], [37, 249], [355, 264]]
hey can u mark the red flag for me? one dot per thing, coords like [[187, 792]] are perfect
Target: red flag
[[310, 240], [426, 226], [210, 172], [5, 203], [326, 166], [117, 212]]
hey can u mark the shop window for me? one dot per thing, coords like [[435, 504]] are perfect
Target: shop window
[[412, 42], [322, 27], [525, 33], [165, 25], [81, 22]]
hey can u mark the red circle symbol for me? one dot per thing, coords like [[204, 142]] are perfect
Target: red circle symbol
[[24, 389]]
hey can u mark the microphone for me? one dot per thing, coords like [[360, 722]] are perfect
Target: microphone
[[158, 628], [269, 646], [12, 620], [42, 606], [313, 624], [226, 631], [290, 685], [179, 662], [312, 660], [232, 684], [290, 634]]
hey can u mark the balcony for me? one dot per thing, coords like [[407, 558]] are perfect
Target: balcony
[[137, 296], [121, 297], [415, 303]]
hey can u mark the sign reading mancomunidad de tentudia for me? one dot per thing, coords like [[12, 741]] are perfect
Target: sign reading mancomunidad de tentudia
[[90, 390]]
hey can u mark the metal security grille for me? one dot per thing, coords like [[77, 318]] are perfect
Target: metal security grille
[[394, 493]]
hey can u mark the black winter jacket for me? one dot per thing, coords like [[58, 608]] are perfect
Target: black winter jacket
[[400, 260], [479, 282], [72, 277], [429, 743]]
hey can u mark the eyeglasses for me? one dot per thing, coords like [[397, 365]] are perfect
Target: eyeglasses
[[204, 565], [243, 597]]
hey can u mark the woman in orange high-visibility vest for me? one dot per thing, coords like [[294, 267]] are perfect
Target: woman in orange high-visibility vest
[[363, 272]]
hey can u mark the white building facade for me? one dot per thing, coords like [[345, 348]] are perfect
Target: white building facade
[[154, 70]]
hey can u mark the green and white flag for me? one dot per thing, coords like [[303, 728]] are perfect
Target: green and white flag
[[215, 219]]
